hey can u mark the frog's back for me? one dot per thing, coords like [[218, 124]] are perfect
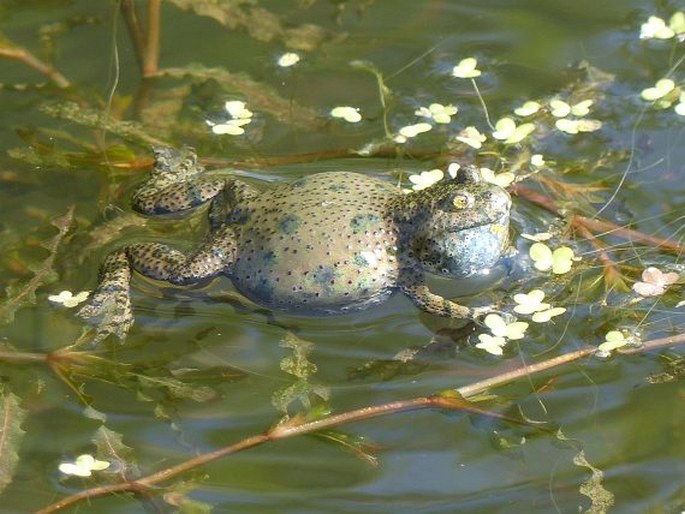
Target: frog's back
[[325, 243]]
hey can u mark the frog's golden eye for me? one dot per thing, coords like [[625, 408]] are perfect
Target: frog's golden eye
[[462, 200]]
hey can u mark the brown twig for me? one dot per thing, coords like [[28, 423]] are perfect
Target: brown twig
[[296, 428], [145, 43], [599, 226], [128, 9], [23, 55], [151, 55]]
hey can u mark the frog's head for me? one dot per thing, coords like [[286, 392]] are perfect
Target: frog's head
[[460, 227]]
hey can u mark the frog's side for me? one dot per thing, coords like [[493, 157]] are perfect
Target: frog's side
[[328, 243]]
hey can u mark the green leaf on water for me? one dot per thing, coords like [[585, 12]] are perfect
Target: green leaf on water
[[11, 435], [111, 448]]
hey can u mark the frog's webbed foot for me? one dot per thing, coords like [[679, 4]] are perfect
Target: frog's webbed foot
[[109, 307]]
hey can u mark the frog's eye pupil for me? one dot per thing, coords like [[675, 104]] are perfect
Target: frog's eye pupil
[[462, 200]]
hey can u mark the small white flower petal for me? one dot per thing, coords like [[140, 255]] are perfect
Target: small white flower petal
[[582, 108], [504, 128], [237, 109], [516, 330], [496, 324], [541, 254], [426, 179], [501, 179], [527, 109], [466, 69], [288, 59], [560, 109], [655, 28], [660, 89], [414, 130], [230, 129], [491, 344], [453, 168], [472, 137], [347, 113], [537, 160], [546, 315]]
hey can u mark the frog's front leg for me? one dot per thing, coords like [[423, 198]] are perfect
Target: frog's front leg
[[109, 307], [177, 183], [412, 285]]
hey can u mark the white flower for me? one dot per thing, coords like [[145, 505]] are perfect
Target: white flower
[[240, 116], [659, 90], [501, 332], [677, 24], [453, 168], [680, 106], [237, 109], [410, 131], [527, 108], [655, 28], [288, 59], [654, 282], [500, 328], [83, 466], [466, 69], [561, 109], [559, 260], [528, 303], [437, 112], [576, 126], [506, 130], [347, 113], [612, 340], [471, 137], [68, 299], [426, 179], [537, 160], [501, 179], [491, 344], [229, 127]]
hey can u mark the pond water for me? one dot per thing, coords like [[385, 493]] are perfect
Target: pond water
[[202, 368]]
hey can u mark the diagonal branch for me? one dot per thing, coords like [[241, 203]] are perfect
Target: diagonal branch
[[293, 429]]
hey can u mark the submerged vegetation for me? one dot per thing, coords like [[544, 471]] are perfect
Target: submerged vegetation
[[583, 259]]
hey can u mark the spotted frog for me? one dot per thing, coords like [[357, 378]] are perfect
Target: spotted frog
[[328, 243]]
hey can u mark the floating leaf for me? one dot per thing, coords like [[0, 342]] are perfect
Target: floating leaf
[[11, 435]]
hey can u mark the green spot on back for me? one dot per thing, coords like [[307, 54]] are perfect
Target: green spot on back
[[289, 224], [363, 222]]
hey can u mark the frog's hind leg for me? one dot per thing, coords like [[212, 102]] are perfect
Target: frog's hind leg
[[161, 262], [109, 307]]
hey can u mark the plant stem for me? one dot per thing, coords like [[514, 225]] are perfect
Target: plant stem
[[23, 55], [294, 429]]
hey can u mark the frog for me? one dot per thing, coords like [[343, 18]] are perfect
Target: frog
[[328, 243]]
